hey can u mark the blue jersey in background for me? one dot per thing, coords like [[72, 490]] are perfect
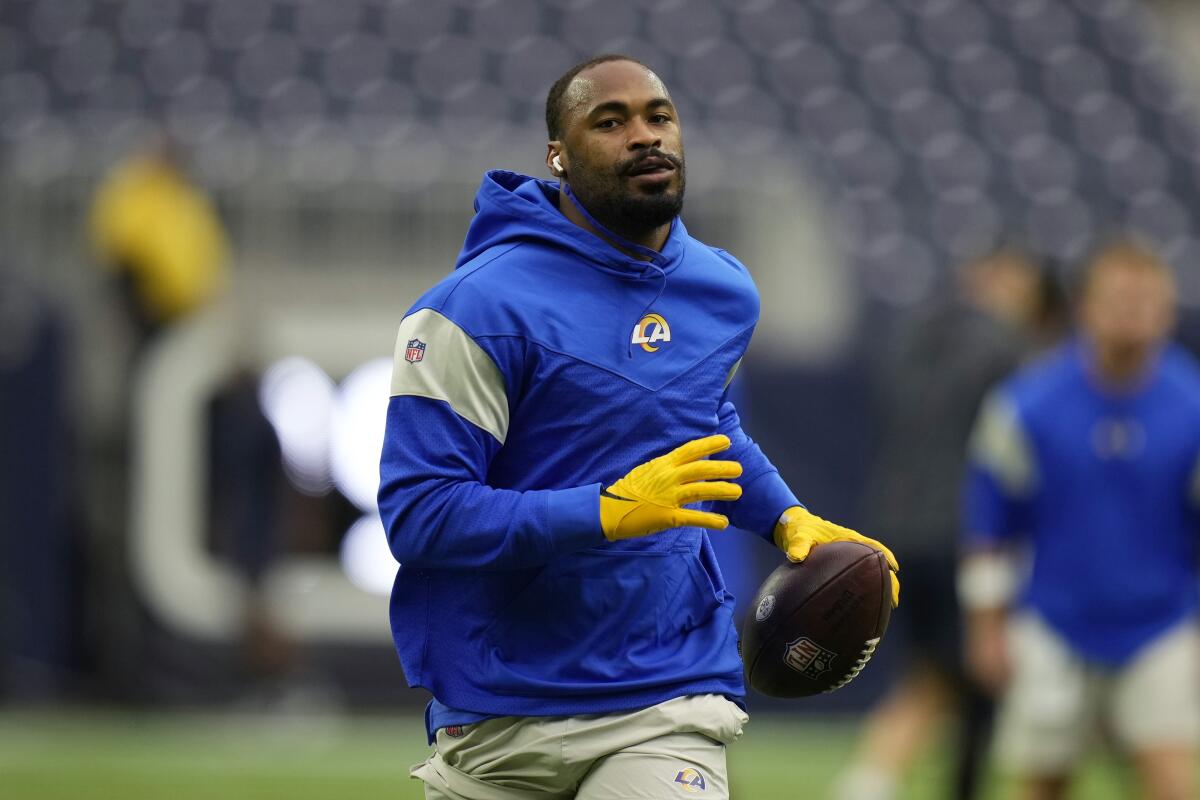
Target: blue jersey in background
[[1104, 484]]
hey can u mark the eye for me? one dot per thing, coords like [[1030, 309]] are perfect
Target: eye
[[660, 118], [608, 123]]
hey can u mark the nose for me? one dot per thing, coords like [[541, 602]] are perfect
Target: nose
[[642, 135]]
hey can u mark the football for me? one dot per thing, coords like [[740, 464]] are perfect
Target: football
[[814, 625]]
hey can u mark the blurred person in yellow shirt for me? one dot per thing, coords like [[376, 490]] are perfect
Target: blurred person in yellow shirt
[[159, 233]]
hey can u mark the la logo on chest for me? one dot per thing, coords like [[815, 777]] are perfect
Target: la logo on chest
[[650, 331]]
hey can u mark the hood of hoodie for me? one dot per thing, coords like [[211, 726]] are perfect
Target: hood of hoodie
[[511, 207]]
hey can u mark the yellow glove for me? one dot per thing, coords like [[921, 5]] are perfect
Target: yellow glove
[[798, 531], [651, 497]]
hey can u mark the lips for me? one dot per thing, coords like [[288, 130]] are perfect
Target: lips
[[652, 165]]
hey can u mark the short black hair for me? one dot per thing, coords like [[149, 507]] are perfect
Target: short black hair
[[554, 100]]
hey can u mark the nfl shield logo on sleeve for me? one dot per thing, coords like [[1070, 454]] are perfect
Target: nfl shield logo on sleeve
[[414, 351]]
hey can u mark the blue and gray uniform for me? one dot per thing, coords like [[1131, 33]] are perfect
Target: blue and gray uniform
[[1105, 485], [548, 365]]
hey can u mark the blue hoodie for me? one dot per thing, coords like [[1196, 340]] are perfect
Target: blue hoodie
[[547, 365], [1103, 485]]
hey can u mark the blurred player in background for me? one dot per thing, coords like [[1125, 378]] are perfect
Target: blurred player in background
[[554, 402], [1088, 459], [945, 363], [160, 236]]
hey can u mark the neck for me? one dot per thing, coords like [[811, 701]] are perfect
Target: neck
[[654, 239], [1119, 365]]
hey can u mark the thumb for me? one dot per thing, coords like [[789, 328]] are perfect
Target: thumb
[[799, 549]]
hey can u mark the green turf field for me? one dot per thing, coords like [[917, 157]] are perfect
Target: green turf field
[[130, 756]]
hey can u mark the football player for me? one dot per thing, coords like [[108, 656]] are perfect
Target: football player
[[546, 480], [1088, 459]]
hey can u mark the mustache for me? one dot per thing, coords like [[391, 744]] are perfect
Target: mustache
[[626, 167]]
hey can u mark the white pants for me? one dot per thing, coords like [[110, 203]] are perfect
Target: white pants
[[676, 748], [1057, 703]]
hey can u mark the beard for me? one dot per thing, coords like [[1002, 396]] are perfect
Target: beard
[[607, 196]]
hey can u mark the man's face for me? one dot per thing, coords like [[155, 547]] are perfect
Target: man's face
[[622, 151], [1127, 306]]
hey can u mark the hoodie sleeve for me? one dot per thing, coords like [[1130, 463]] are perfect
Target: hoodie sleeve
[[447, 418], [1001, 474], [765, 496]]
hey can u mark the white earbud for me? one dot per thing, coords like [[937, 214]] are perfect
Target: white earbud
[[557, 164]]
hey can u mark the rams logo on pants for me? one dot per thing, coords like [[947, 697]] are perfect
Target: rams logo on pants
[[690, 780], [652, 328]]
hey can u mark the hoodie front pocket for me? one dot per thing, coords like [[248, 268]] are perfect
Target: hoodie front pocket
[[593, 623]]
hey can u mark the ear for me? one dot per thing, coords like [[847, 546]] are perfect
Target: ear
[[554, 160]]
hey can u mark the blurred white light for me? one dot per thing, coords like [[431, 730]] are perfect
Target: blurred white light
[[359, 415], [297, 398], [366, 558]]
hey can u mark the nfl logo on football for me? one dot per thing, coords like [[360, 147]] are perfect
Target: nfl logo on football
[[414, 351], [808, 658]]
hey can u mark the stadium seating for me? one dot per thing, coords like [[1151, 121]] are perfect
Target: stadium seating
[[935, 126]]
